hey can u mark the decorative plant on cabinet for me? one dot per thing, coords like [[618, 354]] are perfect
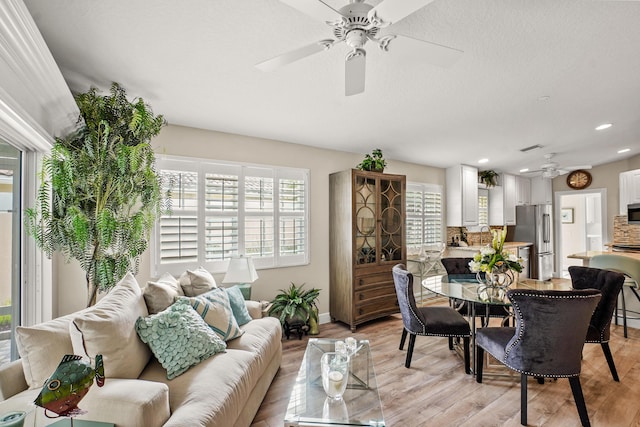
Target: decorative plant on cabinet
[[100, 194]]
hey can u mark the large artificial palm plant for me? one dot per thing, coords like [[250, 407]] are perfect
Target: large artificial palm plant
[[100, 194]]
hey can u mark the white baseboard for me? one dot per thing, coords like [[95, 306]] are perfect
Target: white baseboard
[[324, 318]]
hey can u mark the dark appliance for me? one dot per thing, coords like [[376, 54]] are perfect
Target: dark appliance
[[633, 213]]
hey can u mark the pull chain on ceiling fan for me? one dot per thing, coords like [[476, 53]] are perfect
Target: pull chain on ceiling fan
[[356, 24]]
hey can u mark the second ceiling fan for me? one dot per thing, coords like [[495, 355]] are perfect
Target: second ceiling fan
[[355, 24]]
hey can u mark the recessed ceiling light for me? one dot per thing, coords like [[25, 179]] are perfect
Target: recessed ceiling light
[[604, 126], [624, 150], [483, 160], [524, 170]]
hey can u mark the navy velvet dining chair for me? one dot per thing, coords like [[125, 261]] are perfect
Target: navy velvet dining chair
[[609, 283], [547, 340], [441, 321]]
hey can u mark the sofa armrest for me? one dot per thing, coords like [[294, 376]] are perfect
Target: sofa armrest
[[258, 309], [12, 379]]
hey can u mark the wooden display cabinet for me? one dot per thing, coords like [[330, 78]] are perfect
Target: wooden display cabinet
[[366, 239]]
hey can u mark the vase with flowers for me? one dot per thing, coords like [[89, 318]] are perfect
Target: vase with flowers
[[497, 264]]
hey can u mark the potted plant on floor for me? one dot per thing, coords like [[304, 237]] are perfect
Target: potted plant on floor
[[100, 194], [295, 308]]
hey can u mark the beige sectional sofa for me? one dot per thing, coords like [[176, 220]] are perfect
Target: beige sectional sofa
[[223, 390]]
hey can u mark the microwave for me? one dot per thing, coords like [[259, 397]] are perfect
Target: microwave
[[633, 213]]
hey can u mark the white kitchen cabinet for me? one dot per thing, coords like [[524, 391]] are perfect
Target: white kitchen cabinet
[[502, 201], [462, 196], [523, 191], [541, 191], [629, 189]]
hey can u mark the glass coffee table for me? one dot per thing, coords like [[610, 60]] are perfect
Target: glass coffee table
[[360, 404]]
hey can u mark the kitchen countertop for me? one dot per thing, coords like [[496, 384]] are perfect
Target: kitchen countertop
[[586, 256], [507, 245], [469, 251]]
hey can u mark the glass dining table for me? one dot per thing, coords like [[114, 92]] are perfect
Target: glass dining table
[[480, 297]]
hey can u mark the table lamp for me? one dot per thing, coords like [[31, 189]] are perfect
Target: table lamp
[[241, 272]]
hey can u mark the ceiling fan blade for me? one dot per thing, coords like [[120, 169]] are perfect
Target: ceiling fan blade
[[354, 72], [317, 9], [573, 168], [391, 11], [433, 53], [294, 55]]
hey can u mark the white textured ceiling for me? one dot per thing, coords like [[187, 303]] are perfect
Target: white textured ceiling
[[193, 62]]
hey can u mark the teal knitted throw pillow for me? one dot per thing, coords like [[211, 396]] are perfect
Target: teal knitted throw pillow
[[179, 338]]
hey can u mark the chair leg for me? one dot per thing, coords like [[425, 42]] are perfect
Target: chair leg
[[479, 360], [467, 363], [403, 339], [450, 343], [612, 366], [412, 341], [624, 312], [523, 399], [579, 398]]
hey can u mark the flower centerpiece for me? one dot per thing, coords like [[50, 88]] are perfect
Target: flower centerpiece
[[497, 264]]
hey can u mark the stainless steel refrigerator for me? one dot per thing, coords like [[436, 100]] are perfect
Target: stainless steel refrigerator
[[534, 224]]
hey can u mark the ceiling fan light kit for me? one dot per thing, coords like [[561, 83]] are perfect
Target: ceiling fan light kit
[[551, 169], [355, 24]]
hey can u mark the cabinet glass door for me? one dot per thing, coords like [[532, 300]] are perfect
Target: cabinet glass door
[[392, 221], [365, 220]]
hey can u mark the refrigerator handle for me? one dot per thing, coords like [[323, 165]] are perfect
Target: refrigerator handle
[[546, 232]]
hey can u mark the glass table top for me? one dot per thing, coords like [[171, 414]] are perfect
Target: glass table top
[[473, 291], [360, 405]]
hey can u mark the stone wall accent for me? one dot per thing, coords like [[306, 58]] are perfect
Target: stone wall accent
[[625, 233]]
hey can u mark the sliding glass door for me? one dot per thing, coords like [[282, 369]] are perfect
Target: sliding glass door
[[10, 250]]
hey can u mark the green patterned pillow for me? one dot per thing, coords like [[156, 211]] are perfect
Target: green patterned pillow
[[238, 306], [214, 308], [179, 338]]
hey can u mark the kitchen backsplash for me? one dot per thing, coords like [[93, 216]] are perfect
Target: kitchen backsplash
[[625, 233], [472, 238]]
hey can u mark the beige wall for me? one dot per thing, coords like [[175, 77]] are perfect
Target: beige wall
[[605, 176], [190, 142]]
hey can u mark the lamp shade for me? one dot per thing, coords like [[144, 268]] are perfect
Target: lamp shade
[[240, 270]]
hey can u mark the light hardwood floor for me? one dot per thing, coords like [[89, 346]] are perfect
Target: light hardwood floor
[[436, 392]]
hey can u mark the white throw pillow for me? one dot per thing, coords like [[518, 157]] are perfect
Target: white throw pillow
[[200, 281], [41, 348], [108, 328], [161, 293]]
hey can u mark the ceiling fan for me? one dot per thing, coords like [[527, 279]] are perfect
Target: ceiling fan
[[551, 169], [355, 24]]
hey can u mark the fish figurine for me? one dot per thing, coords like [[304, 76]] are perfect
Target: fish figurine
[[68, 384]]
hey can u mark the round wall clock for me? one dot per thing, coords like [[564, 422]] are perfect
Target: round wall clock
[[579, 179]]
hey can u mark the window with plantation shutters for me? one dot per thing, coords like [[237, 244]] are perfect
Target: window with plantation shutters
[[424, 222], [221, 209]]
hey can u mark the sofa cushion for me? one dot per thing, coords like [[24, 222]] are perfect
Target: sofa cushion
[[236, 373], [200, 281], [238, 305], [107, 328], [53, 336], [179, 338], [161, 293], [123, 402], [215, 309]]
